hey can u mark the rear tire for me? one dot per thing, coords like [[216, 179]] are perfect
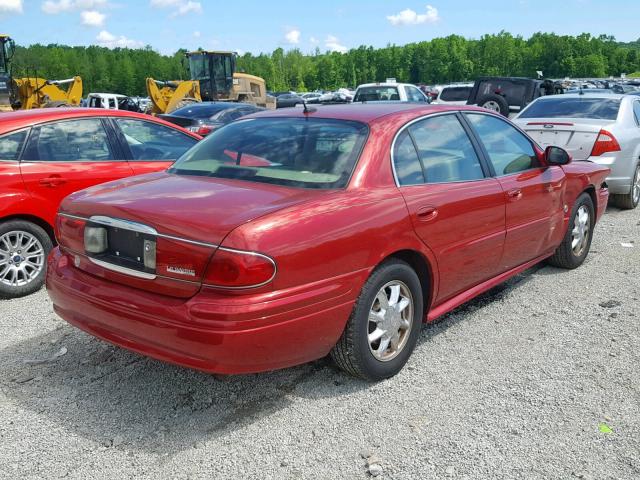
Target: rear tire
[[577, 240], [24, 247], [630, 200], [384, 325], [496, 103]]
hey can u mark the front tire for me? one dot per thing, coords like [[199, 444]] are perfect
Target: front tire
[[630, 200], [384, 325], [577, 240], [24, 247]]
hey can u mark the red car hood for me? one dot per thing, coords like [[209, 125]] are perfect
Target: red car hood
[[191, 207]]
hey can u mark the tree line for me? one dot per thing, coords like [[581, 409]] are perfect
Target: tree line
[[441, 60]]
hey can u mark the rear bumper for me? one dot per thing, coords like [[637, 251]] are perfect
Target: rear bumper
[[622, 170], [239, 334]]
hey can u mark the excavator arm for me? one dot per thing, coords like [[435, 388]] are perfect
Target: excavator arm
[[167, 96], [35, 92]]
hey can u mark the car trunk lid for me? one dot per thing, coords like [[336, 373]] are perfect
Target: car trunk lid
[[576, 135]]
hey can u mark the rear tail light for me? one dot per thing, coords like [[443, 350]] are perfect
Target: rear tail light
[[605, 142], [70, 232], [236, 269], [202, 129]]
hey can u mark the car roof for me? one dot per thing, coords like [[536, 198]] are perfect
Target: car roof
[[384, 84], [24, 118], [363, 112], [601, 95], [118, 95], [213, 106]]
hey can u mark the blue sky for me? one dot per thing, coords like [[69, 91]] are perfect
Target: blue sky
[[263, 25]]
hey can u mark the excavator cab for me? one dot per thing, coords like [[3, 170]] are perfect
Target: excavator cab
[[7, 48], [214, 71]]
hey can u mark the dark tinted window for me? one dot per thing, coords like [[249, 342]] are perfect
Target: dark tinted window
[[70, 140], [201, 110], [11, 145], [300, 152], [577, 107], [446, 150], [150, 141], [374, 94], [406, 162], [513, 91], [509, 150], [636, 111], [455, 94]]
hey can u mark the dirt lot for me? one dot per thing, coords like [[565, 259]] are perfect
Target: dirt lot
[[539, 378]]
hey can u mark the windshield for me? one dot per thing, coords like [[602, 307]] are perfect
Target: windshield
[[581, 107], [298, 152], [376, 94]]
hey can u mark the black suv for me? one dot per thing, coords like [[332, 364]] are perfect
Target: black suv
[[506, 94]]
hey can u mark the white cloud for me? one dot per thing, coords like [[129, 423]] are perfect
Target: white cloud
[[333, 44], [179, 6], [11, 6], [109, 40], [54, 7], [293, 36], [92, 18], [314, 41], [197, 34], [410, 17]]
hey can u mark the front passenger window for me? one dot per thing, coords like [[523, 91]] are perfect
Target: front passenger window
[[509, 150]]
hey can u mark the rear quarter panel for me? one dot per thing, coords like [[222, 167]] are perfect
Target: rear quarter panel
[[582, 175]]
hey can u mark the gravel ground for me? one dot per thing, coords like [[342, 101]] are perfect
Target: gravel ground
[[538, 378]]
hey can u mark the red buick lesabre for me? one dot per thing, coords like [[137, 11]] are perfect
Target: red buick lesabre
[[295, 234]]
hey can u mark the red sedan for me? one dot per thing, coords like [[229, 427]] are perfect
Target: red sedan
[[290, 235], [49, 153]]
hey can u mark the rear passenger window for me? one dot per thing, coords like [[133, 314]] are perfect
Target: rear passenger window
[[150, 141], [509, 150], [69, 140], [406, 161], [11, 145], [446, 150], [636, 112]]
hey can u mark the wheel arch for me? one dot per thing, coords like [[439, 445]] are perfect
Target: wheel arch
[[591, 191], [33, 219], [423, 269]]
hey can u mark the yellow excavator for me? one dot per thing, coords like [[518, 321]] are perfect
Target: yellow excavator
[[33, 92], [213, 78]]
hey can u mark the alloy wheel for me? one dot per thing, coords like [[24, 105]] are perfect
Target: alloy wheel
[[390, 320], [22, 258], [581, 230]]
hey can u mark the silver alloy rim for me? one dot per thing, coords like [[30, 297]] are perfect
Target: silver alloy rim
[[635, 189], [581, 231], [21, 258], [491, 105], [390, 320]]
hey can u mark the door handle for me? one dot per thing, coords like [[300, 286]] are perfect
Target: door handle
[[515, 194], [52, 181], [426, 214]]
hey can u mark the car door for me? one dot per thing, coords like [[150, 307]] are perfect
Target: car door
[[456, 208], [533, 191], [151, 146], [65, 156]]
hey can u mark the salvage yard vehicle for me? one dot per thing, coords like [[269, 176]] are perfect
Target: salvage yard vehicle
[[601, 128], [114, 101], [389, 91], [47, 154], [509, 94], [203, 118], [294, 234], [453, 95]]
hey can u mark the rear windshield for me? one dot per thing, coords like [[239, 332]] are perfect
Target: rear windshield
[[200, 110], [374, 94], [298, 152], [455, 94], [582, 107]]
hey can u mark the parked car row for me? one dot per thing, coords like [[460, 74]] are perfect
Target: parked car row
[[288, 235]]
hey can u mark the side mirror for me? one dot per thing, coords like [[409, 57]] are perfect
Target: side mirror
[[557, 156]]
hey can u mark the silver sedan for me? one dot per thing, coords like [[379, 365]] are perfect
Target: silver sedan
[[602, 128]]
